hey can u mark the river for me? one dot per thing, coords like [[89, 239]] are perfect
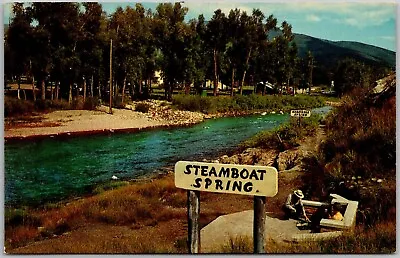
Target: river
[[51, 170]]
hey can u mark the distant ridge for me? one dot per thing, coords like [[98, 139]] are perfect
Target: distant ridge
[[327, 53]]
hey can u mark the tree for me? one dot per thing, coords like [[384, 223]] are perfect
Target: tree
[[170, 30], [18, 41], [309, 71], [58, 32], [351, 74], [91, 45], [253, 33], [217, 39], [233, 51], [292, 69], [282, 43]]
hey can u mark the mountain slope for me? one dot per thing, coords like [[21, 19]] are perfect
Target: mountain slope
[[327, 53]]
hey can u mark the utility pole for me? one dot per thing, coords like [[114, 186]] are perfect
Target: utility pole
[[111, 93]]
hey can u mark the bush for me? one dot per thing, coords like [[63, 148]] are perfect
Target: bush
[[117, 102], [14, 106], [245, 103], [77, 103], [142, 107], [91, 103], [360, 146]]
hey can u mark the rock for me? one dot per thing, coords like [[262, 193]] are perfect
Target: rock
[[379, 181], [289, 159], [249, 156], [230, 160], [267, 158]]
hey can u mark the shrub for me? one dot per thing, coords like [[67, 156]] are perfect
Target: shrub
[[91, 103], [13, 106], [60, 105], [142, 107], [360, 145], [245, 103], [117, 102], [42, 105]]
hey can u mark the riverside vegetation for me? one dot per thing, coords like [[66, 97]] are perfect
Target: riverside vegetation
[[27, 224], [357, 161], [145, 205]]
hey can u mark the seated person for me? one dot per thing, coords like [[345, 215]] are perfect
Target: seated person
[[321, 213], [335, 212], [294, 207]]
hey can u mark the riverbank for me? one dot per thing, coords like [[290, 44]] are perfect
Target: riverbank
[[67, 123], [132, 216], [64, 123]]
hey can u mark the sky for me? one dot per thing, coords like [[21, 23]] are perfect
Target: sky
[[370, 22]]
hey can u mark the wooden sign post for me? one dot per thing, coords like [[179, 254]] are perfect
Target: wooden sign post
[[193, 221], [259, 224], [258, 181]]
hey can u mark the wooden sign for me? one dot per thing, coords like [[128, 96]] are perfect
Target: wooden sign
[[300, 113], [226, 178]]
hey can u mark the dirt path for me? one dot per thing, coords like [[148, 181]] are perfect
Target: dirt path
[[310, 144]]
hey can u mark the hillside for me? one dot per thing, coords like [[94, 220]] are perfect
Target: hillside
[[327, 52]]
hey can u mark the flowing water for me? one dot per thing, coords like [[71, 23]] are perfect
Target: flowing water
[[55, 169]]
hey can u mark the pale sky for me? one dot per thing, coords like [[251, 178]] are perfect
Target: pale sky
[[370, 22]]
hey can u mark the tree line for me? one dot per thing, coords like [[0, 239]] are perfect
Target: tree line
[[69, 44]]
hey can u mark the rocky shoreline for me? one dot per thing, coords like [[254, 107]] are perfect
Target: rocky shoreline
[[73, 123]]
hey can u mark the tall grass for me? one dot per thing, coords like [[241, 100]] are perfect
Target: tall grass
[[360, 149], [138, 204], [245, 103], [380, 239], [286, 136]]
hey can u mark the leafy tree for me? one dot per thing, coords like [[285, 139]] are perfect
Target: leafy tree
[[233, 51], [253, 33], [293, 69], [91, 44], [262, 65], [58, 31], [18, 43], [170, 31], [217, 40], [309, 71], [351, 74], [282, 43]]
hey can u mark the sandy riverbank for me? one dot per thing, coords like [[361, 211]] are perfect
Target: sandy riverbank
[[81, 122]]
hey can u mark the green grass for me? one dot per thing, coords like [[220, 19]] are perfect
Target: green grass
[[240, 103], [284, 137]]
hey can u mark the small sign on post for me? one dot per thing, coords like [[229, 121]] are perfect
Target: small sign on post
[[258, 181], [300, 113]]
